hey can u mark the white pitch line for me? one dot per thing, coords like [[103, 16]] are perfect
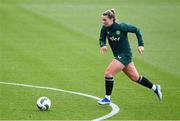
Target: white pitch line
[[114, 111]]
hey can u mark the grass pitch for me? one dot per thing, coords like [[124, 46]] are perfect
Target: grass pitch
[[54, 43]]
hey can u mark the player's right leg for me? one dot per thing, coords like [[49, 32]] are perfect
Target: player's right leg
[[133, 74], [114, 67]]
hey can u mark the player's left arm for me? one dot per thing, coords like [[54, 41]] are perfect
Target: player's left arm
[[133, 29]]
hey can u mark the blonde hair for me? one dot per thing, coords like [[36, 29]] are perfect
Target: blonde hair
[[110, 14]]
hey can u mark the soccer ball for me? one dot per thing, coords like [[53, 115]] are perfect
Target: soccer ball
[[43, 103]]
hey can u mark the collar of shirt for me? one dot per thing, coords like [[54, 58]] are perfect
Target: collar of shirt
[[112, 26]]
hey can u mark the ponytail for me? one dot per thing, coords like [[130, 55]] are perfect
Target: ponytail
[[110, 14]]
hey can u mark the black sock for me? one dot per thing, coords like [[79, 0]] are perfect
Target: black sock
[[109, 85], [145, 82]]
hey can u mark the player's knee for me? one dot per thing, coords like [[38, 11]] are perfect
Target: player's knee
[[134, 77], [108, 74]]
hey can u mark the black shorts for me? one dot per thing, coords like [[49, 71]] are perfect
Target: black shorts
[[125, 59]]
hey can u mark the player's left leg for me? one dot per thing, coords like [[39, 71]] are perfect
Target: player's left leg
[[131, 71]]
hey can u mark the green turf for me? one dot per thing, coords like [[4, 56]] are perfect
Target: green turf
[[54, 43]]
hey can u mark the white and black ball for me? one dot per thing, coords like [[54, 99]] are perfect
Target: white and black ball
[[44, 103]]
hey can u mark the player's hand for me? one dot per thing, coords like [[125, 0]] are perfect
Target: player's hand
[[103, 50], [141, 49]]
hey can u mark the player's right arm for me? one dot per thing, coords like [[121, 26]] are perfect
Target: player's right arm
[[133, 29], [102, 41]]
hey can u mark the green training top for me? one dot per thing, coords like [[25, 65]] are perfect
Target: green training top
[[117, 35]]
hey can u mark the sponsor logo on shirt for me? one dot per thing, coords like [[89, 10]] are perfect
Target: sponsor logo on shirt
[[114, 38]]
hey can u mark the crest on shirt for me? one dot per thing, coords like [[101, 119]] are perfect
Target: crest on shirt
[[118, 32]]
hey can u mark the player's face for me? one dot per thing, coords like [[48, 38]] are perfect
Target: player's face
[[107, 21]]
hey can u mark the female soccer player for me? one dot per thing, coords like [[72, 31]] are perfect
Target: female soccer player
[[117, 34]]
